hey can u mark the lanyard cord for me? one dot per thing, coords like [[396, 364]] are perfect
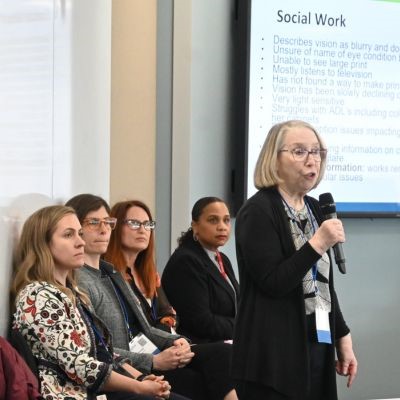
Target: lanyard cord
[[96, 332], [153, 306], [123, 307]]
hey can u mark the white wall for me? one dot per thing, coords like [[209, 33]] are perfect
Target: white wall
[[200, 107], [370, 299], [90, 96], [76, 95]]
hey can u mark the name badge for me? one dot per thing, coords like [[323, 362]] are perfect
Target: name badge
[[101, 397], [322, 324], [142, 344]]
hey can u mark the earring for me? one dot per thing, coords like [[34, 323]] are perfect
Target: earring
[[195, 238]]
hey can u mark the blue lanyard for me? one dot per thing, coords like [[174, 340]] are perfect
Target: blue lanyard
[[313, 223], [94, 328], [123, 307], [154, 308]]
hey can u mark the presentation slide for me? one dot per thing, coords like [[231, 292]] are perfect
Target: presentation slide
[[335, 65]]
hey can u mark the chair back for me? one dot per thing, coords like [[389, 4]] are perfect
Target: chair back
[[19, 343]]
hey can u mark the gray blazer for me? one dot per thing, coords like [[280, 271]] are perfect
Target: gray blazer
[[98, 284]]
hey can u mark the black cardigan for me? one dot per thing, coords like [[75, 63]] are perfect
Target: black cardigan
[[270, 340], [204, 301]]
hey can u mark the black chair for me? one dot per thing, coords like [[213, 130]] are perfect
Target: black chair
[[19, 343]]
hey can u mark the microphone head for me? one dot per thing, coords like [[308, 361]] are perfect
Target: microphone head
[[327, 204], [325, 199]]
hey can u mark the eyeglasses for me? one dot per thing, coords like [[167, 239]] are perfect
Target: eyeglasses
[[95, 223], [300, 154], [134, 224]]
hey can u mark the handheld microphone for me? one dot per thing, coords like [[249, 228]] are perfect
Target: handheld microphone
[[329, 211]]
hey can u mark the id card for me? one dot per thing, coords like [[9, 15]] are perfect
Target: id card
[[322, 324], [142, 344]]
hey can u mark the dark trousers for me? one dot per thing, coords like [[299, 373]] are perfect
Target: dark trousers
[[252, 391], [186, 381], [133, 396], [207, 376], [318, 366]]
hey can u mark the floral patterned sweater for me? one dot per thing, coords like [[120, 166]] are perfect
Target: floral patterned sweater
[[59, 334]]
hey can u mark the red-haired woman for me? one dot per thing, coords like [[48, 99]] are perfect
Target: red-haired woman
[[132, 252]]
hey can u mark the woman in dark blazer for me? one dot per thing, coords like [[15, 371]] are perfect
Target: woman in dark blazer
[[289, 321], [199, 280]]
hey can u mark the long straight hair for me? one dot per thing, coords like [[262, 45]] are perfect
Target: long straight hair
[[33, 259], [145, 264]]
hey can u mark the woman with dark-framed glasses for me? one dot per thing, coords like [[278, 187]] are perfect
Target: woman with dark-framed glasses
[[289, 322], [199, 371], [132, 252]]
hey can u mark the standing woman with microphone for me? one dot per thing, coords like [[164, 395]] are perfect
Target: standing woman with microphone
[[289, 322]]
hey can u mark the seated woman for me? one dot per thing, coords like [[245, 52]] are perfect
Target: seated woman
[[125, 320], [201, 374], [132, 252], [72, 346], [199, 280]]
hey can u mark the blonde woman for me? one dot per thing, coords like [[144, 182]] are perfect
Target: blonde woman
[[72, 346], [289, 322]]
